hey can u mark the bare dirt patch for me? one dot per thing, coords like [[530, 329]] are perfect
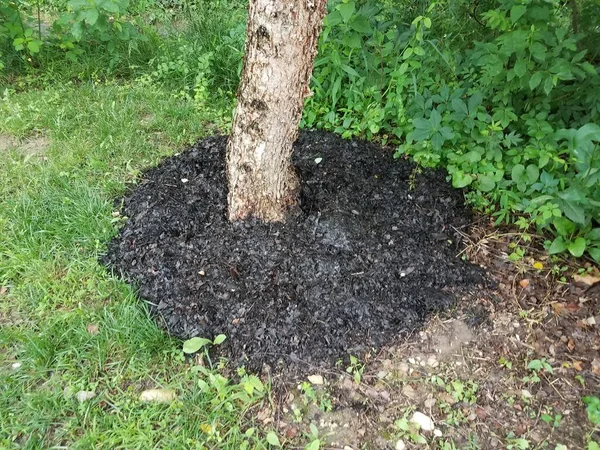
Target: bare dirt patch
[[34, 146]]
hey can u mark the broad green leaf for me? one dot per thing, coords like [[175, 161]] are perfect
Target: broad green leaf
[[273, 439], [473, 157], [564, 226], [516, 12], [595, 254], [194, 344], [346, 10], [361, 24], [577, 247], [34, 46], [535, 80], [548, 85], [573, 211], [350, 71], [427, 22], [521, 67], [559, 245], [486, 184], [91, 16], [474, 102], [461, 179], [353, 40], [533, 173], [517, 173], [594, 235], [219, 339], [435, 118], [460, 106], [314, 445]]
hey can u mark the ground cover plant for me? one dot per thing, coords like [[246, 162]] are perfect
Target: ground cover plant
[[503, 95]]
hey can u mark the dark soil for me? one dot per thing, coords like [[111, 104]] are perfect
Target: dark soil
[[368, 255]]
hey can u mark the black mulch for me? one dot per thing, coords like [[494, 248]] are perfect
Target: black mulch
[[363, 262]]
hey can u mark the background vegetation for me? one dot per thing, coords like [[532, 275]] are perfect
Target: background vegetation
[[505, 95]]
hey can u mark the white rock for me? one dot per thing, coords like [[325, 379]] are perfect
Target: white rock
[[316, 379], [437, 433], [400, 445], [16, 365], [424, 422], [184, 180], [83, 396], [158, 395]]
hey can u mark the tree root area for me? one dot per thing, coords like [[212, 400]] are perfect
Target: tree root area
[[370, 251]]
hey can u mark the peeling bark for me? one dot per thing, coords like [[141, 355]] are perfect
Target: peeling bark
[[281, 44]]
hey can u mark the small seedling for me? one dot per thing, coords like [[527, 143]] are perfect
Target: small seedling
[[537, 366], [356, 368], [554, 420], [505, 363], [514, 443], [315, 442]]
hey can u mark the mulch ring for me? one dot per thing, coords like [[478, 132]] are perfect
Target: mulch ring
[[368, 256]]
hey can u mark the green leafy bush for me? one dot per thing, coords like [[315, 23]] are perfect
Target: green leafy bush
[[513, 117]]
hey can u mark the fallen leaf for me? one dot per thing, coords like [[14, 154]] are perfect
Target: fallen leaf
[[596, 366], [590, 321], [538, 265], [524, 283], [83, 396], [578, 366], [316, 379], [572, 307], [3, 290], [571, 345], [586, 280], [158, 395], [92, 329]]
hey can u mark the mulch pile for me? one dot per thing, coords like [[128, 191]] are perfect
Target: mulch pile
[[368, 255]]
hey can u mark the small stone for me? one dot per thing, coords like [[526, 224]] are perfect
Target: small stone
[[184, 180], [425, 422], [432, 361], [400, 445], [83, 396], [316, 379], [15, 366], [437, 433], [409, 391], [347, 447], [412, 360], [430, 402], [403, 368], [202, 273], [382, 374], [526, 394]]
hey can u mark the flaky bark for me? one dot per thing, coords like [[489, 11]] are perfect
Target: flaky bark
[[281, 44]]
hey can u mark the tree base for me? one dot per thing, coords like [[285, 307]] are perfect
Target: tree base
[[364, 261]]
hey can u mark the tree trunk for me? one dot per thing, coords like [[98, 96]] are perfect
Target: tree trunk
[[281, 44]]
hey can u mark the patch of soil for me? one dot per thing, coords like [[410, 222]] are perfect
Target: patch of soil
[[32, 147], [370, 253]]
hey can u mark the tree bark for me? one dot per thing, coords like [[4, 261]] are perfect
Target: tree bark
[[281, 44]]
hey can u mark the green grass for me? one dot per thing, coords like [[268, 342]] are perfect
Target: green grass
[[56, 207]]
